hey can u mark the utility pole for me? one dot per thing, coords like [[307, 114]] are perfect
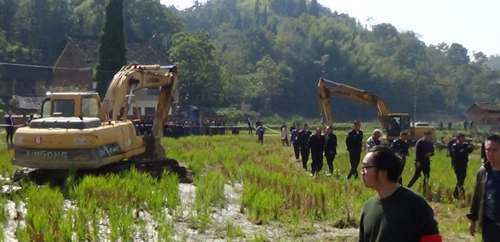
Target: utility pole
[[414, 109]]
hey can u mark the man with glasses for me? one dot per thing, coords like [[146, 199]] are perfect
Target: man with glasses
[[395, 213]]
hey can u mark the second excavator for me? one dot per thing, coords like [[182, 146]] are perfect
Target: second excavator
[[392, 123], [77, 131]]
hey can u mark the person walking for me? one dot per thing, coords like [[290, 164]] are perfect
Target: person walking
[[250, 126], [303, 140], [485, 206], [395, 213], [260, 132], [400, 146], [424, 149], [460, 151], [448, 147], [330, 148], [284, 136], [449, 126], [354, 142], [317, 148], [373, 140], [441, 125], [465, 125], [295, 143], [10, 128]]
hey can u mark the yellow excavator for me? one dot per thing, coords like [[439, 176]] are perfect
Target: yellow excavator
[[392, 123], [77, 131]]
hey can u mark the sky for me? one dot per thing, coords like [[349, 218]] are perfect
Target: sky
[[473, 24]]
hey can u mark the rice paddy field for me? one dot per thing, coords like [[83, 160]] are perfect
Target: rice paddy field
[[242, 191]]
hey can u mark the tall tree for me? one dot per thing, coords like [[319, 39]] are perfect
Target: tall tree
[[457, 54], [256, 12], [200, 73], [314, 8], [112, 52]]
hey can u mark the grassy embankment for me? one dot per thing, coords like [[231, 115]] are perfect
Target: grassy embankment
[[275, 191]]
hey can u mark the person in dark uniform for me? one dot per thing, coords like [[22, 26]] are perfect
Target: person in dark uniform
[[303, 140], [330, 148], [448, 147], [424, 149], [30, 119], [400, 146], [292, 127], [250, 126], [317, 148], [9, 129], [295, 143], [260, 132], [460, 151], [449, 126], [354, 142]]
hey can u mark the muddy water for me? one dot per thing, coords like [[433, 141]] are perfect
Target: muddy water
[[231, 212], [184, 230]]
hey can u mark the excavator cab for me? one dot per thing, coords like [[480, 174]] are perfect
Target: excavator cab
[[395, 123], [74, 104]]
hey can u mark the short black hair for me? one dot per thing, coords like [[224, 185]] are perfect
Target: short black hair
[[305, 124], [427, 132], [403, 133], [460, 135], [356, 121], [384, 158], [494, 138]]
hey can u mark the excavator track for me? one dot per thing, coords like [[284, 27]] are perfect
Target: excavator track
[[153, 167]]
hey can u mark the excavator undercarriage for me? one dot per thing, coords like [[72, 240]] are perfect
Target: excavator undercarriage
[[145, 162]]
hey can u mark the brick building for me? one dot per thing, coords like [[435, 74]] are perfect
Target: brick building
[[74, 67], [484, 113]]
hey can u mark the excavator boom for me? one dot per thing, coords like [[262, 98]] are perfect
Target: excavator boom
[[349, 92], [392, 123]]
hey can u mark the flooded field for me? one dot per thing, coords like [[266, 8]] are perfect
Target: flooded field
[[248, 193]]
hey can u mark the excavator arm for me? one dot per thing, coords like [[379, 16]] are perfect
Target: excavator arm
[[134, 77], [349, 92]]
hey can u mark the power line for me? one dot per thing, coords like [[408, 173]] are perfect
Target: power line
[[52, 67]]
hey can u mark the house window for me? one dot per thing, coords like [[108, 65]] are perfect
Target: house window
[[149, 111]]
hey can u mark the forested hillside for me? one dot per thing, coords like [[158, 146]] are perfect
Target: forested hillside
[[268, 53]]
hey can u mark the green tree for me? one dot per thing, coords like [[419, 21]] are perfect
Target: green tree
[[256, 12], [200, 79], [112, 52], [494, 62], [457, 54], [314, 8]]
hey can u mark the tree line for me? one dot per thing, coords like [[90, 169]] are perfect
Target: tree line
[[268, 54]]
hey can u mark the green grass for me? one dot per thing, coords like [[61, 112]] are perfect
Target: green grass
[[276, 192]]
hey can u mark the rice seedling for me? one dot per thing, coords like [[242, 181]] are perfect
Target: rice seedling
[[275, 190]]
